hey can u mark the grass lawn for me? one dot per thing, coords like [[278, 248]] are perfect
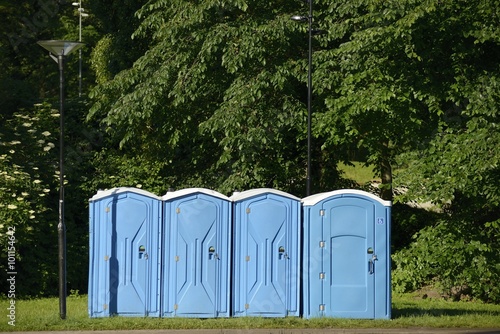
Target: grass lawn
[[358, 172], [408, 311]]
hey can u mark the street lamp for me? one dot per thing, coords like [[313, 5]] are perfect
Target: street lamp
[[80, 14], [58, 50], [309, 19]]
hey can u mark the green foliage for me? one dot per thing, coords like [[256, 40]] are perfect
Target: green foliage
[[406, 222], [458, 168], [458, 257], [216, 93], [28, 177], [213, 94]]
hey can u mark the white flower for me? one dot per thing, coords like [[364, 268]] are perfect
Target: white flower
[[12, 206], [46, 133], [37, 181], [47, 148]]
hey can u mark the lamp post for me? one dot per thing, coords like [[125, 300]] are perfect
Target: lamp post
[[309, 19], [80, 14], [58, 50]]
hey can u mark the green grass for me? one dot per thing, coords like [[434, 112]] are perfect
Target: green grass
[[358, 172], [407, 311]]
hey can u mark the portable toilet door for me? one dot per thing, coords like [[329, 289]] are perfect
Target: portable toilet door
[[346, 268], [197, 254], [124, 253], [266, 256]]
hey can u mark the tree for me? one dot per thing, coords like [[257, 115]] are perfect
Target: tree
[[458, 168], [29, 146], [375, 76], [215, 96], [27, 187]]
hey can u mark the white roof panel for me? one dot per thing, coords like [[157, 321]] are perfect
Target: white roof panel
[[114, 191], [239, 196], [316, 198], [188, 191]]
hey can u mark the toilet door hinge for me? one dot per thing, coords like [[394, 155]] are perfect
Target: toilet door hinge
[[321, 307], [248, 210], [106, 257], [247, 258], [321, 275], [176, 307], [321, 212], [176, 258], [247, 306], [106, 209], [177, 210], [322, 244]]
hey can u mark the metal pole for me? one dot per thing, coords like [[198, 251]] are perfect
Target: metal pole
[[309, 101], [80, 51], [61, 228]]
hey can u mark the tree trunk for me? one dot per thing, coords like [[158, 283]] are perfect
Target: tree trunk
[[386, 176]]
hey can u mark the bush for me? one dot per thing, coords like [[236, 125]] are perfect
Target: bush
[[457, 256]]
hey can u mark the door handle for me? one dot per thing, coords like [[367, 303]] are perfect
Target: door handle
[[212, 254], [142, 253], [282, 254], [371, 264]]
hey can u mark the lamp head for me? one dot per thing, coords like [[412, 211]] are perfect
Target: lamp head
[[299, 18], [60, 48]]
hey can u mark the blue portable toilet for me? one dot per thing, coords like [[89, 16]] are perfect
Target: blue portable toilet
[[124, 262], [266, 255], [197, 252], [346, 255]]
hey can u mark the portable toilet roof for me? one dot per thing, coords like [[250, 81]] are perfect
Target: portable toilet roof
[[239, 196], [115, 191], [316, 198], [188, 191]]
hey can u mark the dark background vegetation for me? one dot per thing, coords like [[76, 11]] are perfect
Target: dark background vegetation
[[212, 94]]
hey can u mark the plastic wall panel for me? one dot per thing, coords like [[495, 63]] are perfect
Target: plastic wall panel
[[196, 274], [124, 253], [266, 256], [346, 256]]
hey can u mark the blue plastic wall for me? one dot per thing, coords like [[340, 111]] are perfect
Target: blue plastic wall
[[197, 252], [124, 253], [346, 255], [266, 256]]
